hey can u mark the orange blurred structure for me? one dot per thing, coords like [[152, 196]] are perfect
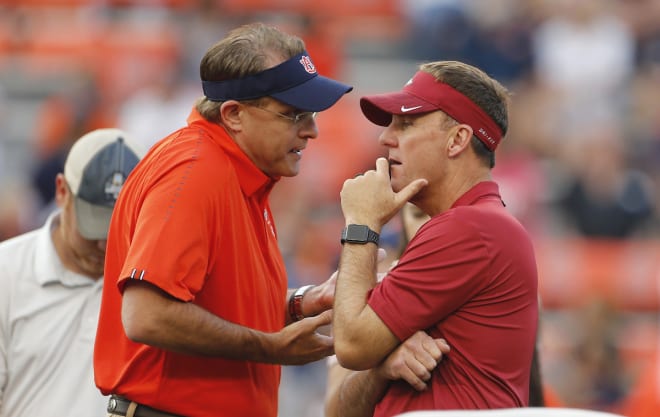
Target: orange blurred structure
[[644, 398], [623, 272]]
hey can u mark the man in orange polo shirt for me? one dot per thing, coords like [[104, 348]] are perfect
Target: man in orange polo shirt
[[195, 302]]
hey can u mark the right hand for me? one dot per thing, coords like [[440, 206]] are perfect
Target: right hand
[[414, 359], [369, 198], [300, 343]]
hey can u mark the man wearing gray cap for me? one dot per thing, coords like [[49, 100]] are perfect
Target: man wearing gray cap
[[51, 281]]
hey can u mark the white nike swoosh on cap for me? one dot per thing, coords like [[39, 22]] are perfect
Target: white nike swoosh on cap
[[407, 109]]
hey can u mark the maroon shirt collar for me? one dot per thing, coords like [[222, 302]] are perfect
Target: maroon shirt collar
[[483, 190]]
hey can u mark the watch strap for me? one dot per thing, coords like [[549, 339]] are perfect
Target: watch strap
[[295, 303]]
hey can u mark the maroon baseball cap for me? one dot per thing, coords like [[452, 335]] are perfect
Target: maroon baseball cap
[[424, 94]]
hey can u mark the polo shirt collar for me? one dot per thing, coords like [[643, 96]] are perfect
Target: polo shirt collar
[[484, 189], [47, 265], [250, 177]]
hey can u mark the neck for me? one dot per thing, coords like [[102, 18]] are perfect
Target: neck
[[440, 198]]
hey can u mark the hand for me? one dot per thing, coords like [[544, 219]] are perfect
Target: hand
[[414, 359], [369, 199], [319, 298], [299, 342]]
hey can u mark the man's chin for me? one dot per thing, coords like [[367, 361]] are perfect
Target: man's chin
[[94, 269], [292, 171], [396, 185]]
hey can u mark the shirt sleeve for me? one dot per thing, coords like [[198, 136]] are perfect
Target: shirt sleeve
[[173, 244]]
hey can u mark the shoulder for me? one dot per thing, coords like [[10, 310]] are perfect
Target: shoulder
[[191, 143], [17, 261], [479, 218], [456, 223], [462, 230], [187, 154], [15, 247]]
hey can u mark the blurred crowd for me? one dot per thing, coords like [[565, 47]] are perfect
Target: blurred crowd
[[580, 166]]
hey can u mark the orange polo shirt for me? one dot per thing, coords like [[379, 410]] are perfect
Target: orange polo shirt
[[194, 219]]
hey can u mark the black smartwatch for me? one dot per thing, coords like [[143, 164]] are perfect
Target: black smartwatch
[[359, 233]]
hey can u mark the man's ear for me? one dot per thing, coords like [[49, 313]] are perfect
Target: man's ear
[[459, 140], [230, 115], [61, 190]]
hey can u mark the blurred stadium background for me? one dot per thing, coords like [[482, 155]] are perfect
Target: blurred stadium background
[[580, 166]]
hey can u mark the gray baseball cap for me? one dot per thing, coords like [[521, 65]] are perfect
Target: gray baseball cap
[[95, 169]]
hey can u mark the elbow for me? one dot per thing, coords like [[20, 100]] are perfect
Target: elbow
[[140, 326], [143, 312], [136, 328], [352, 356]]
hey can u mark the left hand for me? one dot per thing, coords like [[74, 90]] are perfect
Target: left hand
[[319, 298], [414, 360], [369, 199]]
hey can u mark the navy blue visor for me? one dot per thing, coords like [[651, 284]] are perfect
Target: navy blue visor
[[294, 82]]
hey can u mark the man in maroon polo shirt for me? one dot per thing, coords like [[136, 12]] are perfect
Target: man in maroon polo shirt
[[468, 276]]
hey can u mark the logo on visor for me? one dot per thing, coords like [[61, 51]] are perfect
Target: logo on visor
[[307, 64], [405, 109], [113, 186], [486, 136]]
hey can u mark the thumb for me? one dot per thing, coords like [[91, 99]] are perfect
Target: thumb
[[410, 190], [323, 318]]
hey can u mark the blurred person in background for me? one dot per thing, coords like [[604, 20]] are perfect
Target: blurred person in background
[[62, 117], [51, 281], [593, 34], [18, 208], [469, 274], [158, 108], [599, 379], [193, 315], [604, 197]]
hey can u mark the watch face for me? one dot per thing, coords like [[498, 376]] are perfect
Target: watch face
[[357, 233]]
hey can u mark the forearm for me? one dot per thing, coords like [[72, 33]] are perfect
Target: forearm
[[360, 392], [152, 317], [187, 328], [336, 376], [357, 275], [353, 322]]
